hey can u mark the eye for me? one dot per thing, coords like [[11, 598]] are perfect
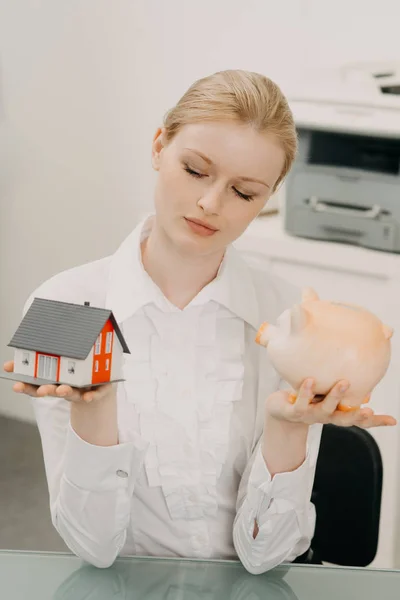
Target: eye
[[246, 197], [192, 172]]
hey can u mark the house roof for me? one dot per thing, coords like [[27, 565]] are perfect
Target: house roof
[[63, 328]]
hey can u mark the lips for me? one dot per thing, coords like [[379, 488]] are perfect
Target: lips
[[202, 223]]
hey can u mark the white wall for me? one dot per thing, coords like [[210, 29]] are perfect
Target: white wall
[[84, 84], [351, 31]]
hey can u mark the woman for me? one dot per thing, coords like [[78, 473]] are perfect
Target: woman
[[199, 453]]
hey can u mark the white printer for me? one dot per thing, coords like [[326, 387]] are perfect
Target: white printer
[[345, 183]]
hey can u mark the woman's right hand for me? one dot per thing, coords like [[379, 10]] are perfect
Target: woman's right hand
[[60, 391]]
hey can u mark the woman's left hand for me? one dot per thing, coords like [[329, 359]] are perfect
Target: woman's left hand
[[307, 411]]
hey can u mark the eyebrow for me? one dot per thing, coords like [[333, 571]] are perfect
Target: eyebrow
[[209, 161], [203, 156], [255, 180]]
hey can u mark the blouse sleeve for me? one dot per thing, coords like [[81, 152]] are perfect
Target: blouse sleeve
[[90, 487], [282, 508]]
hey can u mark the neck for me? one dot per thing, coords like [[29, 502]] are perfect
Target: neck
[[180, 277]]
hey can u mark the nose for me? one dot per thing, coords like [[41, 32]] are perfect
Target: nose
[[212, 199]]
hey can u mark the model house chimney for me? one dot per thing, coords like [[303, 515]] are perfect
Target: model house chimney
[[87, 303]]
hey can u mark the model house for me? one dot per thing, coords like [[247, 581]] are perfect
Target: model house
[[60, 342]]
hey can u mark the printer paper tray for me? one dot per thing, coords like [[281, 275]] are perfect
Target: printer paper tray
[[378, 234], [334, 207]]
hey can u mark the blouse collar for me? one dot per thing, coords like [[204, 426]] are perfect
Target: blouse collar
[[130, 287]]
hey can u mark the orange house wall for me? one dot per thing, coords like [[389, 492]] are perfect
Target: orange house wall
[[102, 375]]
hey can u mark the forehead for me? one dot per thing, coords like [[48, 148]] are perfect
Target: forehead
[[234, 147]]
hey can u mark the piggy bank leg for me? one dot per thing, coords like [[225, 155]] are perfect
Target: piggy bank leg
[[261, 334], [346, 405], [264, 334]]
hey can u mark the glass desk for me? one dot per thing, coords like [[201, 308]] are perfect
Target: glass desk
[[44, 576]]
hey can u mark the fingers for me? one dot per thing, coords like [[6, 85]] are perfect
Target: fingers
[[78, 395], [9, 366], [61, 391], [330, 403], [362, 417], [347, 419], [46, 390], [304, 408], [34, 390], [305, 396], [378, 421], [25, 388], [64, 391], [68, 393], [98, 394]]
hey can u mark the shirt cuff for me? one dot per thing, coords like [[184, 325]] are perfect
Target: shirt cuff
[[289, 488], [102, 468]]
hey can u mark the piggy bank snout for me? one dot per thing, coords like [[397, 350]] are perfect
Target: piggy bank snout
[[265, 334], [261, 334]]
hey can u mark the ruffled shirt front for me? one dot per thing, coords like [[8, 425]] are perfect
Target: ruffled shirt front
[[188, 477]]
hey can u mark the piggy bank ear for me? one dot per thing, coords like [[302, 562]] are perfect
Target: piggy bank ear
[[298, 318], [308, 293], [387, 331]]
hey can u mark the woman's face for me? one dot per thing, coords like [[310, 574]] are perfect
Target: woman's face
[[213, 179]]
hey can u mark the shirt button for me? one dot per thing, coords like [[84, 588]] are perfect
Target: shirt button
[[122, 474]]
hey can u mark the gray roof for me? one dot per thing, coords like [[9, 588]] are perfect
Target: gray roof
[[62, 328]]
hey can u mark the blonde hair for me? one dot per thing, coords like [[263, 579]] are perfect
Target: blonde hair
[[240, 96]]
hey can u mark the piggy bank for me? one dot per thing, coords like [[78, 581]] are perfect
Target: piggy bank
[[329, 341]]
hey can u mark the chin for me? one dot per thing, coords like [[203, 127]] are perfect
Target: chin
[[190, 242]]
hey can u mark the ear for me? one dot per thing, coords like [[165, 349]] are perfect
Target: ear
[[387, 331], [157, 147], [308, 293], [298, 318]]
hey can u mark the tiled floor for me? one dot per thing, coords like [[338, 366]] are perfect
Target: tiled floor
[[24, 505]]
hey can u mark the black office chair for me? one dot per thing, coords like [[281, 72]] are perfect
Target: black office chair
[[347, 497]]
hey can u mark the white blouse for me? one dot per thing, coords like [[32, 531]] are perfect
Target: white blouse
[[188, 478]]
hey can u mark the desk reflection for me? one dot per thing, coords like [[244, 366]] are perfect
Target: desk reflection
[[169, 580]]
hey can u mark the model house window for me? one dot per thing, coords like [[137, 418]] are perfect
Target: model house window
[[109, 341], [107, 364], [25, 358], [96, 366], [71, 367], [97, 349]]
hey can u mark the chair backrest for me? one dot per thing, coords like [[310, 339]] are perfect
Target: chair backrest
[[347, 496]]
